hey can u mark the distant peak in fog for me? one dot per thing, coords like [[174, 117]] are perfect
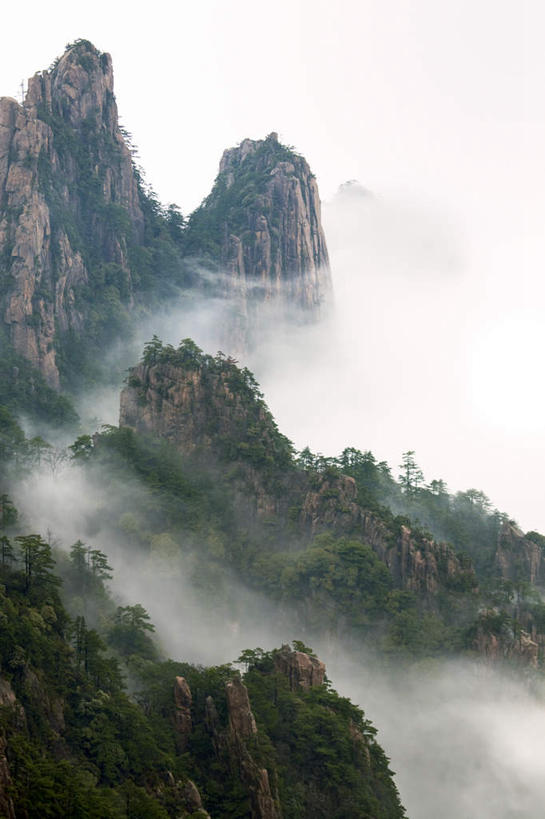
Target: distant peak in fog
[[352, 187]]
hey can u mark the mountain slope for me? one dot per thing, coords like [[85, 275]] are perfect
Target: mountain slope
[[320, 534], [73, 743]]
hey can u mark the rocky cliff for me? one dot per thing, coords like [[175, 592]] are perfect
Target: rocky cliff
[[182, 713], [275, 730], [243, 729], [197, 406], [495, 647], [520, 557], [303, 671], [417, 563], [81, 242], [233, 743], [261, 225], [209, 409], [69, 208]]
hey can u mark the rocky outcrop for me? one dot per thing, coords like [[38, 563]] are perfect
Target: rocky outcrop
[[190, 407], [182, 796], [417, 564], [263, 803], [330, 502], [209, 407], [76, 233], [262, 222], [192, 800], [183, 700], [242, 727], [241, 720], [302, 670], [7, 695], [231, 742], [519, 557], [504, 645], [211, 717], [68, 201]]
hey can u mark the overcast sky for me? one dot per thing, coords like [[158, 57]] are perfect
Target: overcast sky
[[435, 107]]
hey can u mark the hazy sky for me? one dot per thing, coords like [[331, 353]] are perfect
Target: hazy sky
[[435, 107]]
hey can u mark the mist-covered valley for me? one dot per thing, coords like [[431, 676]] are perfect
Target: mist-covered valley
[[157, 524], [464, 737]]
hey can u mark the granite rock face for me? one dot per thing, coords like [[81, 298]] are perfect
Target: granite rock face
[[520, 648], [180, 405], [417, 564], [205, 408], [518, 556], [241, 719], [81, 242], [68, 203], [263, 226], [243, 728], [182, 710], [302, 670]]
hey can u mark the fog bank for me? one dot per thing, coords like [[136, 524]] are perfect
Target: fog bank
[[464, 739], [433, 345]]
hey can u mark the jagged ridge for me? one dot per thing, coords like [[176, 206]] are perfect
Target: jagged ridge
[[209, 408], [81, 242]]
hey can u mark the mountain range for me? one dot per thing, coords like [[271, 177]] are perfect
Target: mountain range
[[197, 488]]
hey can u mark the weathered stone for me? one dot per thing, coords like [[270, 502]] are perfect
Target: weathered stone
[[302, 670], [183, 406], [182, 797], [274, 256], [241, 719], [517, 557], [419, 564], [45, 266], [192, 796], [7, 694], [242, 727], [266, 807], [182, 714], [211, 718], [496, 647], [8, 700], [198, 411]]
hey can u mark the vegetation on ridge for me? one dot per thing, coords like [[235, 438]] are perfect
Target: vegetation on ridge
[[77, 744], [236, 196]]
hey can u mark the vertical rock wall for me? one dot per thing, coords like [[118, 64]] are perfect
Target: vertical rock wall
[[68, 199], [262, 223]]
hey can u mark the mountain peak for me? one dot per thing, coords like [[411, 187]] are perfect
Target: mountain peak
[[66, 185], [233, 157], [261, 227], [77, 87]]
